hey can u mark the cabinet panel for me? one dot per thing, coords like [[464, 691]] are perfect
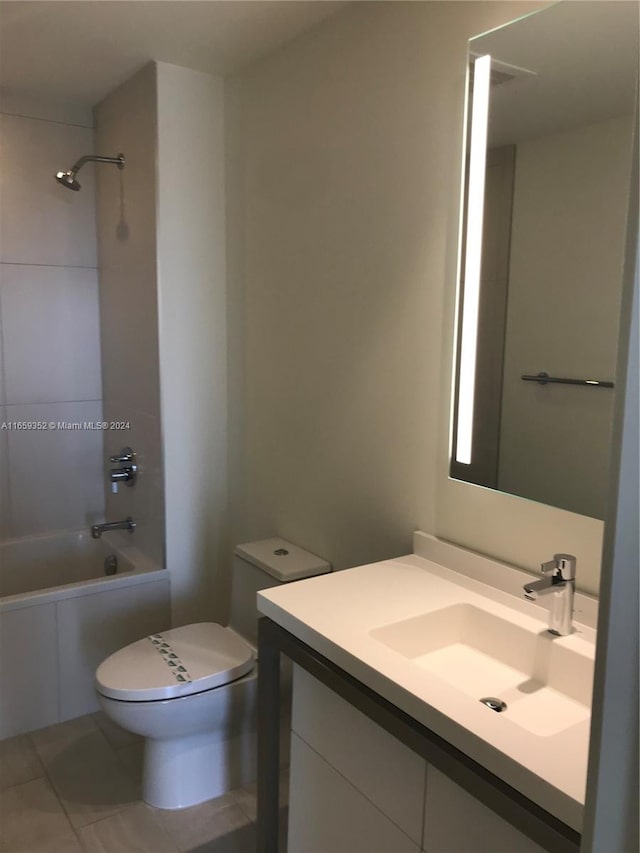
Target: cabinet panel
[[455, 822], [28, 669], [383, 769], [328, 815]]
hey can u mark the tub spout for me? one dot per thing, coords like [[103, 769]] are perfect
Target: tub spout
[[98, 529]]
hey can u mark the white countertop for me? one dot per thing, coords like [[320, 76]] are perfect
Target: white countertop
[[336, 613]]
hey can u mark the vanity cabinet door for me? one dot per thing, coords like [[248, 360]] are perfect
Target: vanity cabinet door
[[327, 814], [385, 771], [455, 822], [355, 788]]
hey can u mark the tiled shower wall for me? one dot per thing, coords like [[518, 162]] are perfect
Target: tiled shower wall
[[126, 122], [50, 479]]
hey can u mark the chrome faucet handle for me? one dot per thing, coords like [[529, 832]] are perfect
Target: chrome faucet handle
[[567, 566], [563, 567], [125, 455], [127, 473], [560, 586]]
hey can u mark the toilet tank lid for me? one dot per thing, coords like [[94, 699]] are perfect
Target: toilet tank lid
[[282, 560]]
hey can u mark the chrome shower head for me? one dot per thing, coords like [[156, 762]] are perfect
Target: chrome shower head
[[68, 179]]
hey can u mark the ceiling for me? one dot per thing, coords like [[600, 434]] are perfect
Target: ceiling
[[584, 56], [79, 50]]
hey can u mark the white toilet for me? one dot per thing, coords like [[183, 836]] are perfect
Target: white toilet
[[191, 691]]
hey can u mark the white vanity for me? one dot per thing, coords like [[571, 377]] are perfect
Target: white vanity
[[392, 748]]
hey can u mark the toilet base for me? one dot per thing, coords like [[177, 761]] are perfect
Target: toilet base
[[186, 771]]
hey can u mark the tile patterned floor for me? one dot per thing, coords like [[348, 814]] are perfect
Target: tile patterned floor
[[75, 788]]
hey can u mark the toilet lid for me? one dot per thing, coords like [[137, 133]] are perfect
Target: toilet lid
[[175, 663]]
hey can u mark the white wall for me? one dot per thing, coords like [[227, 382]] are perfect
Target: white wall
[[126, 213], [567, 244], [49, 328], [192, 331], [344, 157]]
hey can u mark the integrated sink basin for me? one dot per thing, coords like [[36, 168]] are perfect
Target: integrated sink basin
[[434, 633], [545, 685]]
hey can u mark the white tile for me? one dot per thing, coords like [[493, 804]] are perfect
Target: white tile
[[19, 762], [33, 820], [56, 476], [40, 221], [215, 820], [84, 771], [144, 501], [51, 334], [2, 397], [54, 741], [45, 107], [67, 843], [133, 829], [126, 214], [131, 613], [5, 508], [129, 323], [28, 669], [126, 208], [132, 759]]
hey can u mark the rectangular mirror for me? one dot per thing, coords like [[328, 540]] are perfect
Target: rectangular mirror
[[547, 180]]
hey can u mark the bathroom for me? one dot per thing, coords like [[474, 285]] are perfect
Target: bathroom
[[295, 235]]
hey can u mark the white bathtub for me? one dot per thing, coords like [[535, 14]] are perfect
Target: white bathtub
[[60, 615]]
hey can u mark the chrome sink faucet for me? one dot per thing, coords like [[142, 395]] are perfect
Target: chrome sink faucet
[[561, 581]]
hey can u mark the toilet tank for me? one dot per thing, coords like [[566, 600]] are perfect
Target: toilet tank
[[260, 565]]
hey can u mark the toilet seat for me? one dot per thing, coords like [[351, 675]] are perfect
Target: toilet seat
[[175, 663]]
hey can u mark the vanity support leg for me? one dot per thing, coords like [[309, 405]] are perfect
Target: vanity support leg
[[268, 739]]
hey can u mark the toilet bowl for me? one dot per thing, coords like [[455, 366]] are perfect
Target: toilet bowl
[[191, 691]]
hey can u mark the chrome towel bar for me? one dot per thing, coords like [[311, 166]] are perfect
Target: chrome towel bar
[[544, 379]]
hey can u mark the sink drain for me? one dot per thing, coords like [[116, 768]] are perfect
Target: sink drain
[[495, 704]]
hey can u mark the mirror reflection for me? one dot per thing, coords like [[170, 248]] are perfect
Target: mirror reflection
[[547, 193]]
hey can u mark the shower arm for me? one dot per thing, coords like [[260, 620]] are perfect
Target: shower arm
[[94, 158]]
